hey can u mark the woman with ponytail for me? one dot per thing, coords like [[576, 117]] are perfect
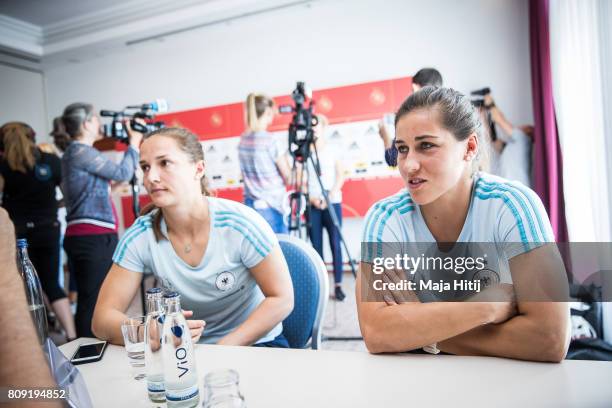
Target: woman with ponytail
[[264, 166], [28, 180], [219, 255]]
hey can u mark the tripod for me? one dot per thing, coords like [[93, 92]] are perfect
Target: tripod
[[299, 201]]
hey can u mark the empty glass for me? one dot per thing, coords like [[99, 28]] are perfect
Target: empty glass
[[133, 338], [221, 389]]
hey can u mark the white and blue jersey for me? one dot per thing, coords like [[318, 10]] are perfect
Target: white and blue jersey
[[220, 290], [503, 213]]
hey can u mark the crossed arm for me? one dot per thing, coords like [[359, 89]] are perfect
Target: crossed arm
[[527, 330]]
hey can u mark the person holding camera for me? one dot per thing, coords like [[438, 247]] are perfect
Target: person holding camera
[[91, 234], [519, 311], [264, 167], [220, 255], [332, 178], [28, 180], [512, 147], [424, 77]]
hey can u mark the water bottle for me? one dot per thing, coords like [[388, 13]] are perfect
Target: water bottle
[[154, 360], [34, 293], [180, 377]]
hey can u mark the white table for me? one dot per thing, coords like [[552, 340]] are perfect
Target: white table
[[282, 378]]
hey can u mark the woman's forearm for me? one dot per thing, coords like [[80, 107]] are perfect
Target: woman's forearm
[[264, 318], [522, 337], [413, 325], [106, 325]]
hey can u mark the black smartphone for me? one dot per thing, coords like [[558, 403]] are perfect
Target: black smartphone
[[88, 353]]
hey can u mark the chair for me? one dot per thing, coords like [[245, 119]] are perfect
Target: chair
[[310, 291]]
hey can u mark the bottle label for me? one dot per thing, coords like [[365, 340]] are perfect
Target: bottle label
[[155, 386], [182, 395]]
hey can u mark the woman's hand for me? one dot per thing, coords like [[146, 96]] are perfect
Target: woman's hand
[[318, 202], [501, 299], [135, 137], [196, 327]]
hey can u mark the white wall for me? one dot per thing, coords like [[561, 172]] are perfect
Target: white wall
[[23, 99], [474, 43]]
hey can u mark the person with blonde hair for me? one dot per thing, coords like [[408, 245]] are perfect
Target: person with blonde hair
[[219, 255], [28, 181], [264, 167]]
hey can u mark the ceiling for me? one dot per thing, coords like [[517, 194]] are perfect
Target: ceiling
[[49, 31], [46, 12]]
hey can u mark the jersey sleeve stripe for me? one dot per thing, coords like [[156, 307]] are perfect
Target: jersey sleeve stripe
[[373, 213], [382, 208], [263, 252], [129, 236], [223, 216], [535, 206], [517, 217], [522, 202]]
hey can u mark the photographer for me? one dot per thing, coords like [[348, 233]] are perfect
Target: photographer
[[512, 147], [263, 165], [424, 77], [91, 235]]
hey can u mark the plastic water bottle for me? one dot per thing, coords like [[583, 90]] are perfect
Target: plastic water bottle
[[34, 294], [180, 377], [154, 360]]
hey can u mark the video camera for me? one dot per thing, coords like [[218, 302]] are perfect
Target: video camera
[[478, 97], [301, 133], [478, 102], [117, 129]]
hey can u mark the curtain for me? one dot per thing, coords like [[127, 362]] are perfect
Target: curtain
[[578, 92], [547, 165]]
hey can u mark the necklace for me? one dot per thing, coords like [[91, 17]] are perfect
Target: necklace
[[188, 248]]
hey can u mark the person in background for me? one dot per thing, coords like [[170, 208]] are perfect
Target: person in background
[[18, 340], [264, 167], [91, 235], [61, 140], [28, 180], [219, 255], [332, 178], [439, 141], [424, 77], [512, 147]]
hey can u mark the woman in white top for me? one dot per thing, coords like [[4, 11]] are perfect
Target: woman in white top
[[438, 137], [219, 255], [332, 178]]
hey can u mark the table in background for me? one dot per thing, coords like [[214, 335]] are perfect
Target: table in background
[[288, 378]]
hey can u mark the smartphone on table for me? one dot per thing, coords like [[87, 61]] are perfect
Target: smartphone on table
[[88, 353]]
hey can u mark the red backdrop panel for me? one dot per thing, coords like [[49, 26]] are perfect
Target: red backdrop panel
[[343, 104]]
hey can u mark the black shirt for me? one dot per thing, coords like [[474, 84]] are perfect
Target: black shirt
[[30, 197]]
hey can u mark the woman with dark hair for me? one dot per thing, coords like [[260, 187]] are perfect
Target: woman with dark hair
[[91, 235], [219, 255], [449, 206], [264, 166], [28, 181]]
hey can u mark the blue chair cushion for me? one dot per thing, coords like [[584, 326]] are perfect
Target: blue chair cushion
[[297, 327]]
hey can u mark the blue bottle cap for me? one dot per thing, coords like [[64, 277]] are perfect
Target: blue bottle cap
[[154, 290], [169, 295], [22, 243]]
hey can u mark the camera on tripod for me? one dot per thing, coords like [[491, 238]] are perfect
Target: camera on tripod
[[117, 129], [301, 133]]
